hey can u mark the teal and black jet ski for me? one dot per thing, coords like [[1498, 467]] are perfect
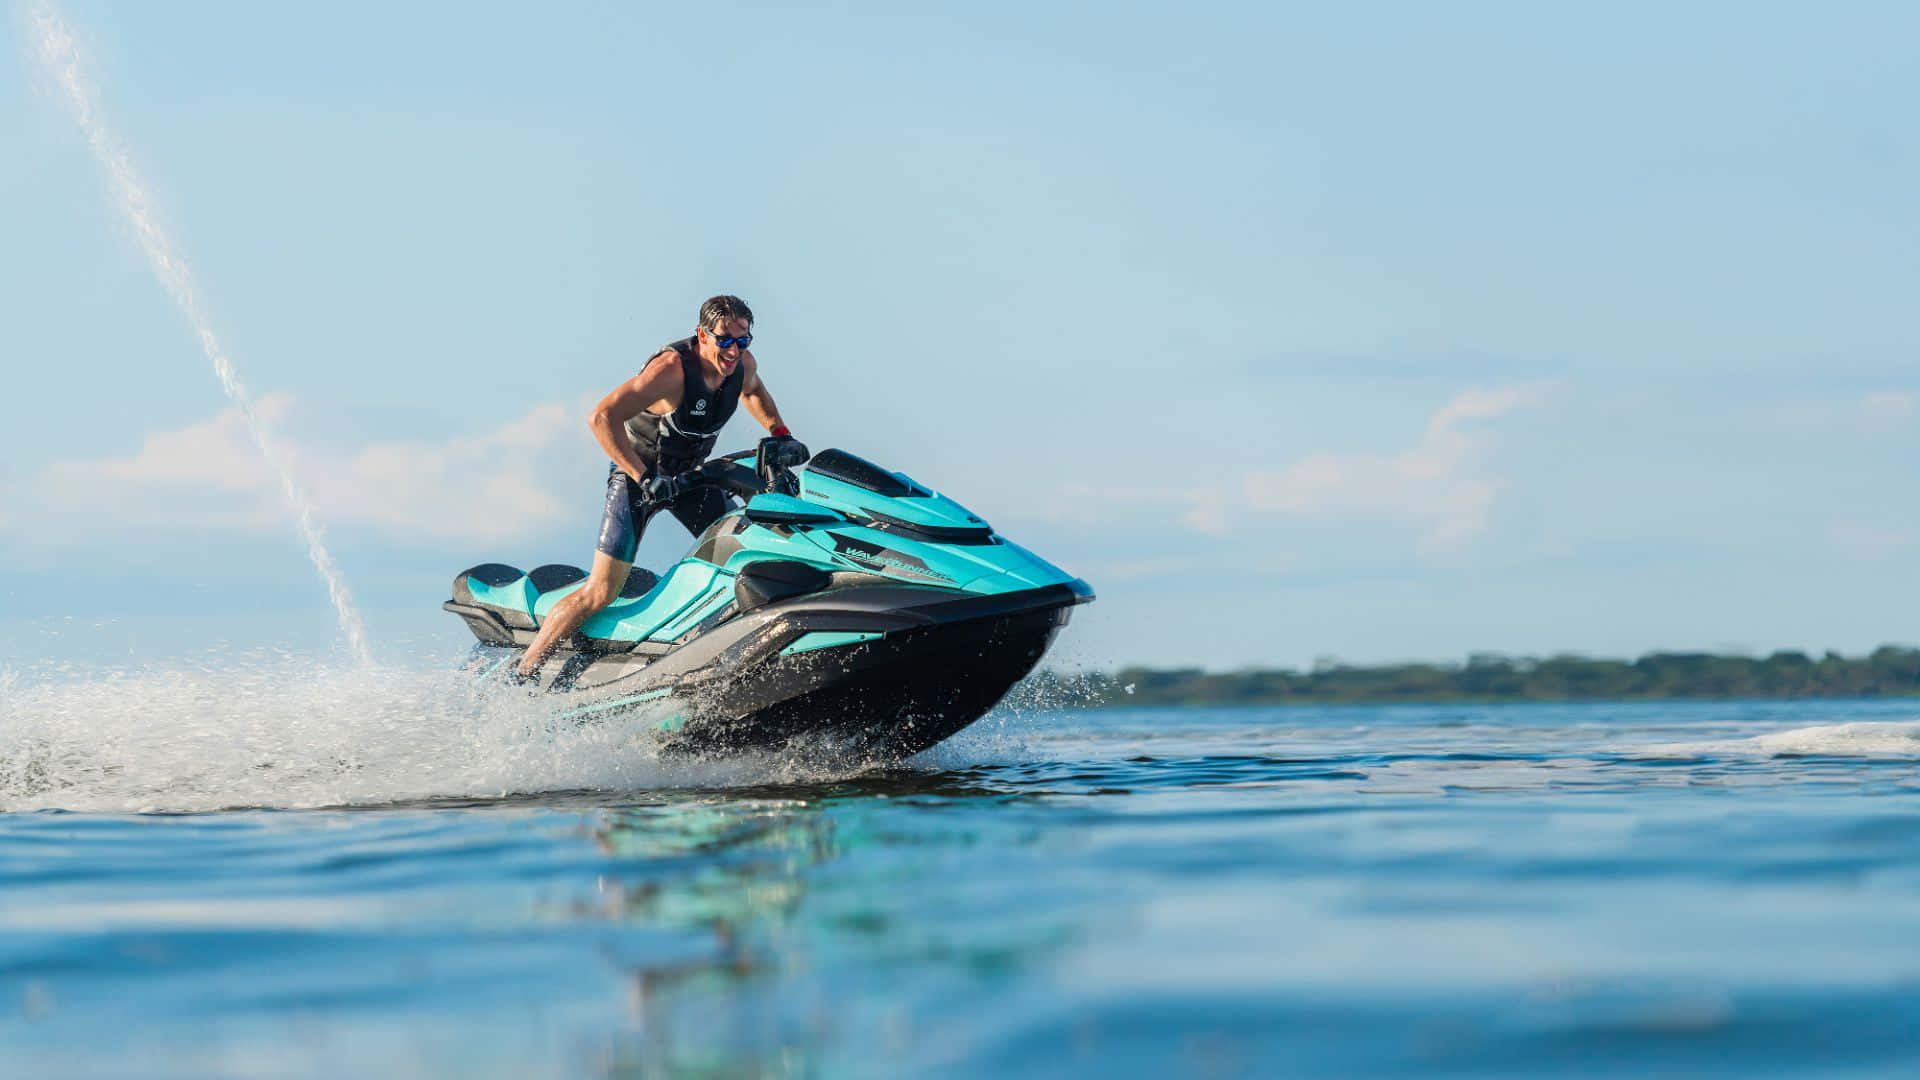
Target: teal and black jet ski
[[842, 601]]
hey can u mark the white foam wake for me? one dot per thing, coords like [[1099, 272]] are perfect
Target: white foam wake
[[60, 53], [268, 730], [1863, 738], [1867, 738]]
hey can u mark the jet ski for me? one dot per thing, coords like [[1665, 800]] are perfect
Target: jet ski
[[842, 602]]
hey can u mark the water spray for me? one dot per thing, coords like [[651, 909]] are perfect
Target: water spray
[[60, 53]]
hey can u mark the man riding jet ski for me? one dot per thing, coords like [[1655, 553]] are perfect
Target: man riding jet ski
[[844, 602], [655, 426]]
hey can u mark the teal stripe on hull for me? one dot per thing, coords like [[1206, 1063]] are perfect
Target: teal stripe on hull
[[825, 639]]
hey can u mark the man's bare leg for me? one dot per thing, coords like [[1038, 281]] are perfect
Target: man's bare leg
[[603, 583]]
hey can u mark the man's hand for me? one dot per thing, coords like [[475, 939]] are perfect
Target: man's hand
[[784, 451], [664, 489]]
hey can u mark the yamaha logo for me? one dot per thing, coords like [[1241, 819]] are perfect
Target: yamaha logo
[[700, 407]]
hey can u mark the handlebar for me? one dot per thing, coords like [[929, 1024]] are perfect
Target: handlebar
[[727, 474]]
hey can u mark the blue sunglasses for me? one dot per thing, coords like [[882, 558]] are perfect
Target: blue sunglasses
[[743, 340]]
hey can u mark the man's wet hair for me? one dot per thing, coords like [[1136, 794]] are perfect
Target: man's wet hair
[[717, 310]]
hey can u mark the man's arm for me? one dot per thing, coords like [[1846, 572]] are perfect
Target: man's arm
[[608, 422], [759, 403]]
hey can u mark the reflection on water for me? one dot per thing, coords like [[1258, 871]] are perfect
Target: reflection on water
[[735, 867]]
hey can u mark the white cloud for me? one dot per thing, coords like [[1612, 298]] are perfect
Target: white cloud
[[1201, 509], [1869, 543], [207, 474], [1876, 411], [492, 486], [1439, 484], [1886, 408]]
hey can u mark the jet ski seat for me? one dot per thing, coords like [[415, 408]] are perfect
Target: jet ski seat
[[511, 595]]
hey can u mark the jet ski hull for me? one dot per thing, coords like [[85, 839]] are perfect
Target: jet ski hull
[[890, 697], [902, 669]]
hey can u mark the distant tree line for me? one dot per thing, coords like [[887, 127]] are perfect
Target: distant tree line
[[1889, 671]]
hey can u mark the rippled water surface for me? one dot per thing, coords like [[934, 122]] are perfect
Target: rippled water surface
[[202, 877]]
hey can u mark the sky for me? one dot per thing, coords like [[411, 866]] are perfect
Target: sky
[[1397, 331]]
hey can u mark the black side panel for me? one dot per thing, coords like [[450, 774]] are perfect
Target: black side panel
[[776, 579], [859, 472], [933, 534], [717, 544], [719, 549], [640, 582], [761, 516], [554, 576]]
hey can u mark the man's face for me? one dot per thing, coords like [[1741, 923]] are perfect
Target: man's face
[[724, 359]]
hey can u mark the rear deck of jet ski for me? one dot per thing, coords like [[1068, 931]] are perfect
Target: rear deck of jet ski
[[498, 601]]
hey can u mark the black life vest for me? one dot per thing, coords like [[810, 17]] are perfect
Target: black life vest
[[677, 441]]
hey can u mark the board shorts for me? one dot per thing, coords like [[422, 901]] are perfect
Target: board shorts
[[628, 512]]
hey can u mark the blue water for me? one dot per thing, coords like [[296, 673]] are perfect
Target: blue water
[[378, 876]]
